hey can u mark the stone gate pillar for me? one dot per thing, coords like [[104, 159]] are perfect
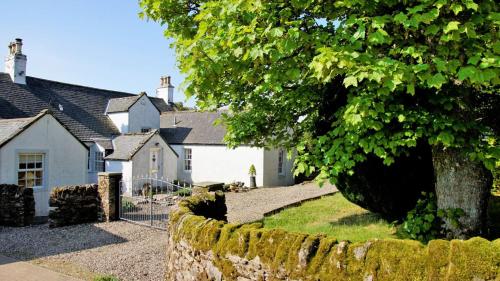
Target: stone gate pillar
[[109, 192]]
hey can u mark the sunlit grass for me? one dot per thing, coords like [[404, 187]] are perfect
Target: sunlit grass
[[335, 217]]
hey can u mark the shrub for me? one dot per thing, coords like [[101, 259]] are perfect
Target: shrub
[[425, 221], [422, 223]]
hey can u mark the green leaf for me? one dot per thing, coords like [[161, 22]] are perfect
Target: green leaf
[[378, 37], [466, 72], [469, 4], [446, 138], [456, 8], [350, 81], [436, 81], [452, 25], [360, 33]]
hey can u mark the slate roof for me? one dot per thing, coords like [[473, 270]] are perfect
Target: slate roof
[[121, 104], [83, 107], [124, 104], [192, 128], [128, 144], [10, 128]]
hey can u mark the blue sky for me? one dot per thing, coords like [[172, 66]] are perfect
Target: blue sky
[[97, 43]]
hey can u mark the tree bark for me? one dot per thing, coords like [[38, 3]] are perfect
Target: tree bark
[[465, 184]]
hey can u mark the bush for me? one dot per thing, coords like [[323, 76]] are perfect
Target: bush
[[425, 221], [422, 223]]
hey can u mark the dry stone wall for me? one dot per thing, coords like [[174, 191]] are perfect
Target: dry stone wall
[[17, 205], [203, 248], [74, 205]]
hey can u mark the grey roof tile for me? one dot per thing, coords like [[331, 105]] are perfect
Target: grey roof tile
[[128, 144], [191, 128], [83, 107], [11, 127]]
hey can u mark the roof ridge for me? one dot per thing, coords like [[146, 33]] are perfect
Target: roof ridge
[[77, 85]]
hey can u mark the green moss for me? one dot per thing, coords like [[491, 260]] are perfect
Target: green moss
[[316, 257], [476, 258], [437, 256]]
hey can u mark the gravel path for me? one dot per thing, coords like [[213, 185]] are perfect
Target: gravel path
[[251, 206], [125, 250]]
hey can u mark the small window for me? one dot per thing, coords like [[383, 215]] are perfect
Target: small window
[[280, 161], [30, 170], [188, 156], [145, 130], [98, 161]]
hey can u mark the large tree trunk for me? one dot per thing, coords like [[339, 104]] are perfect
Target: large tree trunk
[[465, 184]]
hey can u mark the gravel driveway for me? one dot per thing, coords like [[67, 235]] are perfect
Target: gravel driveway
[[125, 250], [251, 206]]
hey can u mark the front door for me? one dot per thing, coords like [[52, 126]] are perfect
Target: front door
[[31, 174]]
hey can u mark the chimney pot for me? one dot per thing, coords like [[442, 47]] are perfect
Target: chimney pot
[[166, 89], [15, 62]]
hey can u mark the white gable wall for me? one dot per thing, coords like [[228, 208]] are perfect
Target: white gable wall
[[65, 160], [141, 159], [220, 164], [143, 114], [120, 120]]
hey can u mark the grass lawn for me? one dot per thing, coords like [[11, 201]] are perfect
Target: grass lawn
[[334, 216]]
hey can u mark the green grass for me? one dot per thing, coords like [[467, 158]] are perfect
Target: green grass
[[335, 217], [105, 278]]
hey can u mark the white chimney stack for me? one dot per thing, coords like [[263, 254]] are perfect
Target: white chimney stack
[[166, 90], [15, 62]]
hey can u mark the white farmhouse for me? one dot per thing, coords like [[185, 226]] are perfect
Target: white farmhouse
[[54, 133], [203, 156], [39, 152]]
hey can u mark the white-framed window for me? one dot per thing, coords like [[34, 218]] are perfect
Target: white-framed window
[[188, 156], [30, 170], [281, 157], [98, 161], [145, 130]]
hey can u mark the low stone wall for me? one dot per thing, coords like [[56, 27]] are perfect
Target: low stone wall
[[17, 205], [203, 246], [74, 205]]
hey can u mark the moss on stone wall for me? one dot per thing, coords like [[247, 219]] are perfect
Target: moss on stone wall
[[237, 249]]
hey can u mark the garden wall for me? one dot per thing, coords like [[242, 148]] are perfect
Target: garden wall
[[74, 205], [17, 205], [85, 203], [202, 246]]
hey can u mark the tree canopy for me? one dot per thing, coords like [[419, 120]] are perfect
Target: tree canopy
[[339, 80]]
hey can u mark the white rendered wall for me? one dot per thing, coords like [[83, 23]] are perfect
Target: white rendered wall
[[65, 157], [220, 164], [143, 114], [92, 173], [142, 157], [124, 167], [271, 175], [120, 120]]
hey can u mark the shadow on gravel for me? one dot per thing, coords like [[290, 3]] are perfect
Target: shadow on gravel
[[37, 241]]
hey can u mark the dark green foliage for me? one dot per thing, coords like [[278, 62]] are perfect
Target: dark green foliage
[[422, 223], [390, 191]]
